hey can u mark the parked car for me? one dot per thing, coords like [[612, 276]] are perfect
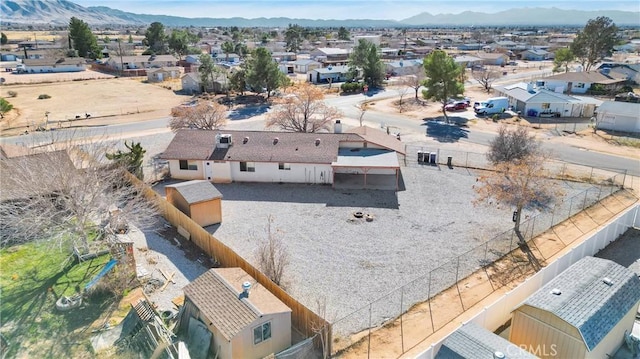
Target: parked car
[[456, 106]]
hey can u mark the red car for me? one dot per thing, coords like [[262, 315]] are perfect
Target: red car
[[456, 106]]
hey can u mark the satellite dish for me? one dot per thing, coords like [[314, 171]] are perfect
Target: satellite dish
[[330, 67]]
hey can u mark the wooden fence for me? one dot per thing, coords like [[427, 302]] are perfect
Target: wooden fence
[[302, 318]]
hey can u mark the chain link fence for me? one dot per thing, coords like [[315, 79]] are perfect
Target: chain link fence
[[409, 313]]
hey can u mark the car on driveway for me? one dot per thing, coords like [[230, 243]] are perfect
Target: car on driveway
[[457, 106]]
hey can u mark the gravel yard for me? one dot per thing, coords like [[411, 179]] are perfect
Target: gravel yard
[[351, 261]]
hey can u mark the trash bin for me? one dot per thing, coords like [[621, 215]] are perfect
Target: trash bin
[[449, 159], [420, 156], [432, 158]]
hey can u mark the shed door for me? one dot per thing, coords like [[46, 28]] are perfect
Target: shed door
[[199, 339], [208, 170]]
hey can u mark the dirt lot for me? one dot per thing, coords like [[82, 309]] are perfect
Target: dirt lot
[[106, 100]]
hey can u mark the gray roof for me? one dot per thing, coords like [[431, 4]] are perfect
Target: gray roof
[[197, 191], [586, 301], [366, 157], [303, 62], [269, 146], [620, 108], [519, 92], [54, 61], [333, 70], [472, 341], [587, 77]]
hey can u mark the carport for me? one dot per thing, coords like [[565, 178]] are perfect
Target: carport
[[366, 168]]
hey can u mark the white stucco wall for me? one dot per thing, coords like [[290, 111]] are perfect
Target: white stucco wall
[[552, 84], [177, 173], [612, 122], [58, 68], [269, 172]]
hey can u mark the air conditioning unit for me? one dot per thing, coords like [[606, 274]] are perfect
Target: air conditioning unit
[[223, 141]]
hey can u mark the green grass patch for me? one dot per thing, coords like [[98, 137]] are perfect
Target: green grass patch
[[32, 277], [625, 141]]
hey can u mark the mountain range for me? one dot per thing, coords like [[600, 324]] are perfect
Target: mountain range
[[58, 12]]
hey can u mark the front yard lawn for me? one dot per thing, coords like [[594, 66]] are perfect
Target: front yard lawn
[[32, 277]]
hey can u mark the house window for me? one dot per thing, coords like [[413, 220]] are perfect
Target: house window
[[546, 106], [247, 167], [579, 85], [262, 333], [284, 166], [186, 165]]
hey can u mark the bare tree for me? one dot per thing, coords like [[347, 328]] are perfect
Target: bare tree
[[402, 92], [303, 111], [65, 196], [203, 116], [415, 79], [486, 78], [272, 254], [512, 145], [321, 328], [363, 107]]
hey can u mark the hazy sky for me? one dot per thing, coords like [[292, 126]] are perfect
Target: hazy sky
[[340, 9]]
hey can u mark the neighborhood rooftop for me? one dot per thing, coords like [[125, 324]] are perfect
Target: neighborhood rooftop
[[594, 295], [587, 76], [196, 191], [472, 341]]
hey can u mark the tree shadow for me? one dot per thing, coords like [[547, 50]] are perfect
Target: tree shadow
[[446, 132], [249, 111]]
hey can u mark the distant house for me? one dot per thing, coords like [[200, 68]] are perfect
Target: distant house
[[67, 64], [535, 55], [630, 71], [119, 63], [403, 67], [284, 56], [198, 199], [581, 313], [330, 56], [580, 82], [301, 66], [234, 316], [471, 341], [163, 74], [472, 46], [374, 39], [618, 116], [534, 101], [492, 58], [364, 157], [467, 61], [331, 74], [192, 83]]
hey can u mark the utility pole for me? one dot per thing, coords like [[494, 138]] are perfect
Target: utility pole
[[120, 51]]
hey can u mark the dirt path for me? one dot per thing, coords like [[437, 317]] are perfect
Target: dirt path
[[433, 320]]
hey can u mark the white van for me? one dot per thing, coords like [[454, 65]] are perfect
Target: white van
[[492, 105]]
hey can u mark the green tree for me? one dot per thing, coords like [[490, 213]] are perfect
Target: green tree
[[343, 34], [443, 76], [293, 38], [263, 73], [3, 39], [208, 71], [130, 39], [131, 160], [237, 81], [562, 60], [155, 38], [241, 50], [365, 58], [179, 42], [228, 47], [5, 107], [595, 41], [83, 39]]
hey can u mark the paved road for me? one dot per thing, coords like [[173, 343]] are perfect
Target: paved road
[[349, 106]]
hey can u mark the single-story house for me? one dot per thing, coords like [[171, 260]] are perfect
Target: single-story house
[[224, 57], [470, 46], [404, 67], [420, 51], [301, 66], [618, 116], [467, 61], [284, 56], [581, 313], [331, 74], [374, 39], [472, 341], [192, 83], [492, 58], [67, 64], [533, 101], [234, 316], [507, 45], [387, 53], [141, 62], [198, 199], [330, 55], [630, 71], [363, 156], [535, 55], [580, 82], [163, 74]]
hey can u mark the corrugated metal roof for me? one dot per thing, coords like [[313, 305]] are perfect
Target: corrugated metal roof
[[366, 157], [620, 108], [586, 301], [197, 191], [472, 341]]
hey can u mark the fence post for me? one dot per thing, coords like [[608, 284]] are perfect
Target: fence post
[[591, 175], [369, 345], [570, 205], [584, 202], [553, 214], [401, 327], [433, 327], [624, 179], [458, 287]]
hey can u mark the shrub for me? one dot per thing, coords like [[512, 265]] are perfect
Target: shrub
[[12, 93], [350, 87], [44, 96], [495, 117]]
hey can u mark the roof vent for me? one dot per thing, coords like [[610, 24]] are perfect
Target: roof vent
[[245, 290], [556, 291], [498, 355], [607, 281], [317, 142], [245, 140], [275, 140]]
